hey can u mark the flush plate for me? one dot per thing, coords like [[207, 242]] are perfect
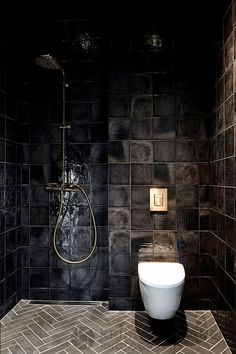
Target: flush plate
[[158, 199]]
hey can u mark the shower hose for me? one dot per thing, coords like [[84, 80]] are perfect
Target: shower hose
[[74, 188]]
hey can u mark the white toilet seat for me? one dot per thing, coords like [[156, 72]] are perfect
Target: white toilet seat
[[161, 274]]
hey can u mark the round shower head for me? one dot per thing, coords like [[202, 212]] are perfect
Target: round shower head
[[47, 61]]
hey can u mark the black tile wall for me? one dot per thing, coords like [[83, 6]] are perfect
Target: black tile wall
[[44, 274], [138, 120], [157, 138], [10, 244], [222, 182], [222, 156]]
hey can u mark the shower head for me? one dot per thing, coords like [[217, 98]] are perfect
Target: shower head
[[47, 61]]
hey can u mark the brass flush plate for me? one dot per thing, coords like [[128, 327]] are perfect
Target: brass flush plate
[[158, 199]]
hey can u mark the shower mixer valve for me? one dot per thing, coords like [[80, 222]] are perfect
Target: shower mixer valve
[[67, 187]]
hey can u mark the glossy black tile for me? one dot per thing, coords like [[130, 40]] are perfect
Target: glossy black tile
[[99, 195], [39, 195], [39, 133], [59, 277], [99, 153], [188, 219], [39, 215], [119, 129], [11, 241], [11, 263], [164, 105], [99, 174], [140, 83], [120, 286], [80, 278], [39, 175], [79, 133], [77, 153], [119, 107], [118, 151]]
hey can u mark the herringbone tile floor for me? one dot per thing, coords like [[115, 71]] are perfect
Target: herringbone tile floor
[[70, 329]]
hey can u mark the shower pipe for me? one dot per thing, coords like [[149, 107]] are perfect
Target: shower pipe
[[46, 61]]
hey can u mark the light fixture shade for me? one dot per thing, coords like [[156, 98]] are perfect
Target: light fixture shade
[[154, 41]]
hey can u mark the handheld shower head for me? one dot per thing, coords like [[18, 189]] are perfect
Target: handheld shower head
[[47, 61]]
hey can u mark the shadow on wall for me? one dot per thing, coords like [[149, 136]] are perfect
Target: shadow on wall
[[167, 332]]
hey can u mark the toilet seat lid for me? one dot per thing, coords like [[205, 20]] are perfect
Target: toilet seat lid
[[161, 274]]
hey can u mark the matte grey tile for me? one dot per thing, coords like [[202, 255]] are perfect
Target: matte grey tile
[[142, 242], [229, 114], [203, 150], [164, 128], [119, 241], [188, 219], [141, 174], [229, 142], [186, 151], [188, 242], [119, 196], [142, 107], [186, 174], [164, 174], [141, 128], [119, 264], [229, 82], [119, 174], [140, 197], [165, 221], [187, 196], [164, 151], [141, 219], [164, 241], [119, 218], [141, 151], [187, 127], [91, 329]]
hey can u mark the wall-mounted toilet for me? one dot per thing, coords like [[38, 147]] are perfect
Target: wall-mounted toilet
[[161, 286]]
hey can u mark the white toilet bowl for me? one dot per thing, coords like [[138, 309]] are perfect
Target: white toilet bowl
[[161, 286]]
